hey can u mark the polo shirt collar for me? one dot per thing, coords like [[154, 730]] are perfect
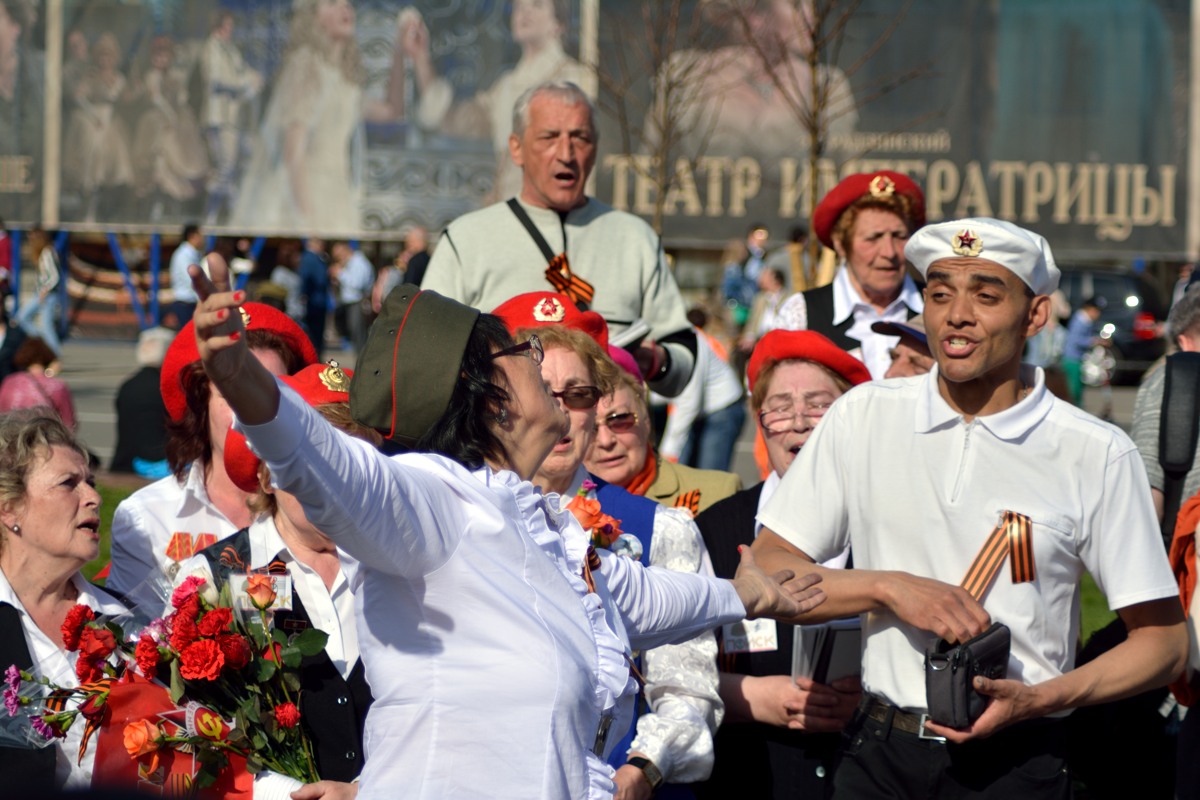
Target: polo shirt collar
[[934, 413], [846, 298]]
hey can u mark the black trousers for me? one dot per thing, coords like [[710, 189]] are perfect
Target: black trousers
[[1025, 761]]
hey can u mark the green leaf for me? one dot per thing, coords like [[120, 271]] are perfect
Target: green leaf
[[291, 657], [280, 637], [259, 739], [254, 764], [292, 681], [177, 686], [311, 642], [266, 669]]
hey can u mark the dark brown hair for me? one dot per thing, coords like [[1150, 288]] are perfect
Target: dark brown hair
[[33, 351]]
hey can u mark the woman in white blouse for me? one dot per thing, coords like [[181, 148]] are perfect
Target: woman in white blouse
[[49, 528], [495, 641]]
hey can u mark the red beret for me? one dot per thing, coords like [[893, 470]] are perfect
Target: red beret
[[880, 184], [319, 384], [182, 352], [535, 309], [781, 345]]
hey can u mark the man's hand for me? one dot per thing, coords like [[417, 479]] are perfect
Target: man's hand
[[803, 705], [650, 357], [632, 784], [945, 610], [782, 596], [326, 790], [1011, 702]]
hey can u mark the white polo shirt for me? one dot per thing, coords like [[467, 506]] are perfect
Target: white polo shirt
[[893, 471]]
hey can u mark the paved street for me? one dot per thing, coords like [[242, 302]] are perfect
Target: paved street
[[95, 369]]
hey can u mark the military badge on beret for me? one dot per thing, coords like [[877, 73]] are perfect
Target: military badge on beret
[[882, 186], [334, 378], [549, 310], [966, 243]]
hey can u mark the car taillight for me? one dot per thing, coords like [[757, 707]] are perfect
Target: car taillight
[[1145, 327]]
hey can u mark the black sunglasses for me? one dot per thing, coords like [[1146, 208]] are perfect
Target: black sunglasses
[[579, 398]]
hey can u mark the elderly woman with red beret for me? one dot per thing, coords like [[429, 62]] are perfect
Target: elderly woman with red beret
[[171, 519], [671, 741], [866, 219], [780, 737]]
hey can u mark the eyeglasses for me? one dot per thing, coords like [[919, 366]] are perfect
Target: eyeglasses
[[623, 422], [783, 418], [580, 398], [533, 346]]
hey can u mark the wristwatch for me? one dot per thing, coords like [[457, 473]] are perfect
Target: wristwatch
[[649, 770]]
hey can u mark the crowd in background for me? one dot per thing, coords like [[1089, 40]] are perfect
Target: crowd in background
[[554, 487]]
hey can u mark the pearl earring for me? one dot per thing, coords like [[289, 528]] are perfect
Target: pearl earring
[[16, 528]]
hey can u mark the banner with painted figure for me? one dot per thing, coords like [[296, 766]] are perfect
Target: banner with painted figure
[[298, 117], [1067, 117], [22, 109]]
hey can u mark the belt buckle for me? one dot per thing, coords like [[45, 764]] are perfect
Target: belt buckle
[[929, 737]]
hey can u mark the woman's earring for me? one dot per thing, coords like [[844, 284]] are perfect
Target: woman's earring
[[16, 528], [502, 417]]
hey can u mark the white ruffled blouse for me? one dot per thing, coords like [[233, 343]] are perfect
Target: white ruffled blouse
[[491, 663]]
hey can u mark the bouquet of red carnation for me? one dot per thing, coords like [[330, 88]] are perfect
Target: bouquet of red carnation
[[230, 681], [234, 674]]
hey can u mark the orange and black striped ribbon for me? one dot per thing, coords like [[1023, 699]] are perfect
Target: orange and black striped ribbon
[[1012, 538], [690, 501], [566, 282]]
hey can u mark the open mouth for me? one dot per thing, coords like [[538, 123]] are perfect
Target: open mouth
[[92, 525], [566, 177], [958, 346]]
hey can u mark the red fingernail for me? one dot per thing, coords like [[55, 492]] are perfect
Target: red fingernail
[[222, 313], [239, 297], [233, 337]]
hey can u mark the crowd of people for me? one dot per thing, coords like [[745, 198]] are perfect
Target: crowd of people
[[528, 593]]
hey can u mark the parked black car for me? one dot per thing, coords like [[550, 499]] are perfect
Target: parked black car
[[1131, 318]]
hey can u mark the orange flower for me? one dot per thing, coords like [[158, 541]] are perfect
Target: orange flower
[[586, 511], [260, 590], [603, 528], [141, 739]]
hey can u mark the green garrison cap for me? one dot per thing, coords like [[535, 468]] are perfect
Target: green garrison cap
[[407, 371]]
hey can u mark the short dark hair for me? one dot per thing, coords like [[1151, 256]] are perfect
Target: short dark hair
[[190, 230], [33, 350], [463, 432], [697, 316]]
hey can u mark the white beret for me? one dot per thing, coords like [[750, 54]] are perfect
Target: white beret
[[1022, 252]]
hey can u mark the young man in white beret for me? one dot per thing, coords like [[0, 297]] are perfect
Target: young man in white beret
[[915, 474]]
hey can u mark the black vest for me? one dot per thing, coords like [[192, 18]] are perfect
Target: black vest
[[819, 305], [754, 759], [332, 708], [26, 772]]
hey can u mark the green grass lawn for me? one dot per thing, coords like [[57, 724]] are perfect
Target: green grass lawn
[[111, 498], [1093, 607]]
